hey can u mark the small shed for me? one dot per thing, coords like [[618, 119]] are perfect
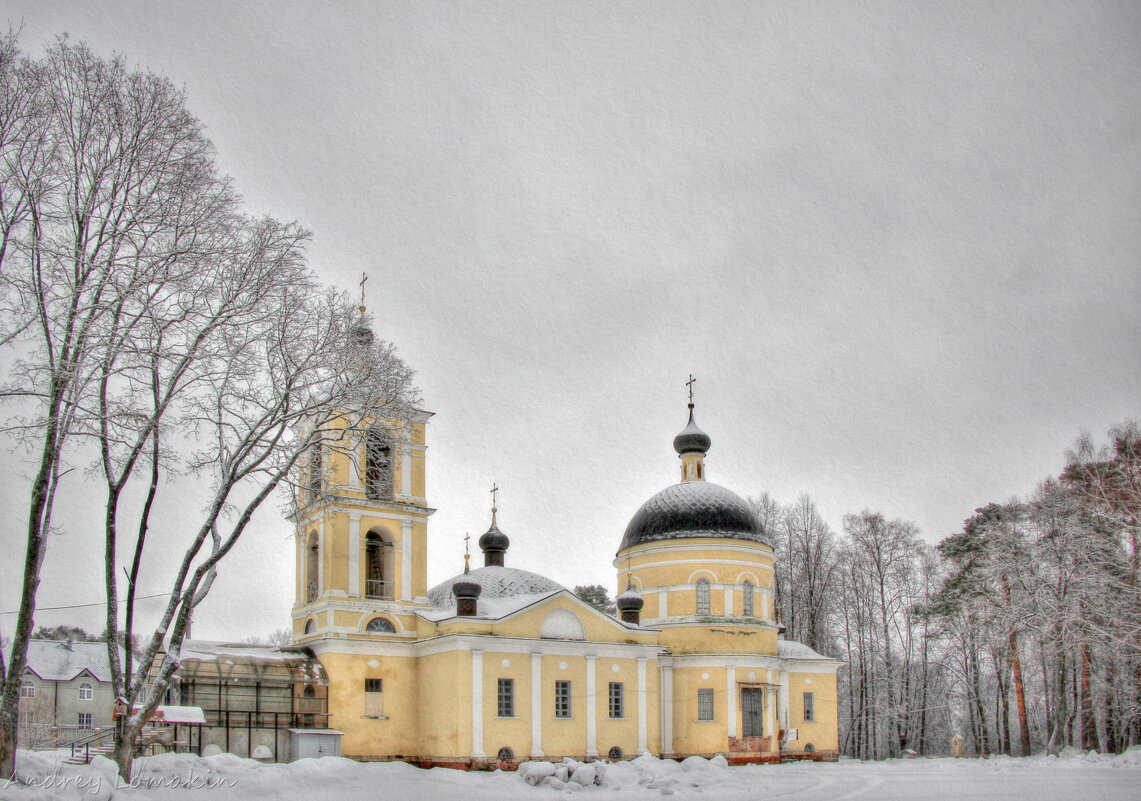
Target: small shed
[[307, 743]]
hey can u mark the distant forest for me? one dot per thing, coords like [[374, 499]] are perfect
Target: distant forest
[[1020, 634]]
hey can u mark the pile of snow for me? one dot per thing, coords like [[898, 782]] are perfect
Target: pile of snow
[[664, 775]]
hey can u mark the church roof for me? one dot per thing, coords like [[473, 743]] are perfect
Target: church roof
[[496, 581], [694, 509], [788, 649]]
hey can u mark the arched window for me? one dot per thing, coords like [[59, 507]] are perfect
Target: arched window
[[27, 690], [809, 748], [614, 753], [703, 596], [378, 566], [378, 466], [312, 562], [506, 755], [316, 471], [379, 625], [310, 626], [748, 598], [85, 692]]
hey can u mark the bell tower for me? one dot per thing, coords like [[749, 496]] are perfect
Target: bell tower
[[362, 527]]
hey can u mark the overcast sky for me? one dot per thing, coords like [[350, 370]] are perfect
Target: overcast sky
[[896, 243]]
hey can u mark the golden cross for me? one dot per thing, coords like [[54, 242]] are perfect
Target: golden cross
[[689, 384], [494, 490], [467, 543], [364, 277]]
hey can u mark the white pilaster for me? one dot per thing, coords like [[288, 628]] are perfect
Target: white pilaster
[[667, 709], [354, 554], [405, 472], [642, 706], [477, 704], [782, 700], [731, 700], [406, 560], [591, 707], [536, 705], [771, 702], [322, 555], [728, 600], [663, 604]]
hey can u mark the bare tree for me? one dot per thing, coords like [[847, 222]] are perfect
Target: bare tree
[[107, 190]]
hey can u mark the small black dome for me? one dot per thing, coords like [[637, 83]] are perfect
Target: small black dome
[[493, 540], [692, 439], [694, 509], [629, 600], [361, 335], [466, 589]]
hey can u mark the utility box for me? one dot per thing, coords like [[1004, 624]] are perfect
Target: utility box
[[307, 743]]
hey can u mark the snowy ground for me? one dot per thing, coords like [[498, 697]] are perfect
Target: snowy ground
[[224, 777]]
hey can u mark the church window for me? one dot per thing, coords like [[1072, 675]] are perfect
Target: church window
[[27, 690], [703, 596], [310, 626], [312, 561], [614, 753], [505, 755], [85, 692], [378, 467], [748, 598], [377, 566], [616, 700], [506, 698], [751, 711], [809, 708], [809, 748], [562, 699], [380, 625], [705, 703], [85, 720], [374, 698]]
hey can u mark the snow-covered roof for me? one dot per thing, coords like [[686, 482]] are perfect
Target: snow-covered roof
[[789, 649], [495, 582], [166, 713], [213, 649], [492, 608], [61, 660]]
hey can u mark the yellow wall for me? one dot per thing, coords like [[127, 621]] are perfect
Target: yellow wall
[[823, 733], [398, 733]]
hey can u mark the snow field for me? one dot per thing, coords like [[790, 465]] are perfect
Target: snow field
[[225, 777]]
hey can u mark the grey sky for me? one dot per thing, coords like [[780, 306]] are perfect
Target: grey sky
[[897, 243]]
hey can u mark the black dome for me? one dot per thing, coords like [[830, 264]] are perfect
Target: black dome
[[694, 509], [692, 439], [494, 540]]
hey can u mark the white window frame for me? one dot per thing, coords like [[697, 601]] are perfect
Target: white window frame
[[86, 692], [705, 700], [85, 718]]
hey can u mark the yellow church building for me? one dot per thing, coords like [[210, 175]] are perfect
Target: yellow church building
[[499, 665]]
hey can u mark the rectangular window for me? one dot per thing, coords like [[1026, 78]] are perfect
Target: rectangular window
[[562, 699], [752, 712], [616, 710], [705, 703], [27, 691], [85, 720], [506, 698], [374, 698], [809, 708]]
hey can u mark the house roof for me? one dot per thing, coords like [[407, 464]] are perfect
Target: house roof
[[62, 660]]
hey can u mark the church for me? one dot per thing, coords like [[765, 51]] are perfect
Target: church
[[499, 664]]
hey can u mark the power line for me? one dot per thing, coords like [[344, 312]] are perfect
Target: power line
[[84, 606]]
